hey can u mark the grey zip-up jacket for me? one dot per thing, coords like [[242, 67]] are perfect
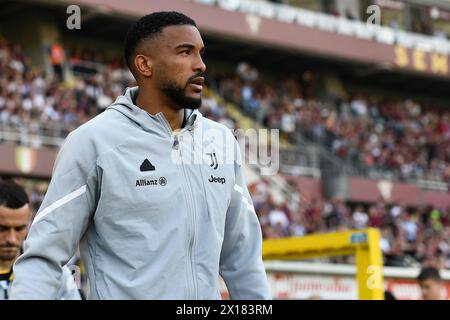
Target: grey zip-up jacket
[[157, 215]]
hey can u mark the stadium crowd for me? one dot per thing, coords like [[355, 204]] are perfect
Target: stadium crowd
[[390, 134], [34, 102], [410, 236]]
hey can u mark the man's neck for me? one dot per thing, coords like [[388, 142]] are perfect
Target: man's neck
[[5, 265], [154, 103]]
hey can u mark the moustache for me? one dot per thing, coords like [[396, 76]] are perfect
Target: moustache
[[193, 77]]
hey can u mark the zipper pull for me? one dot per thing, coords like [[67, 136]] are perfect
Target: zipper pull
[[176, 143], [192, 141]]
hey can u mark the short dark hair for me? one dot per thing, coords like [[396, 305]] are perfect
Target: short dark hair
[[149, 26], [429, 273], [12, 195]]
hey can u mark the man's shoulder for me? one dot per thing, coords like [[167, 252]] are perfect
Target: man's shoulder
[[108, 127], [96, 135], [209, 124], [97, 125]]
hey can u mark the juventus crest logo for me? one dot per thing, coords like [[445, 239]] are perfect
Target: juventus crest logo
[[214, 164]]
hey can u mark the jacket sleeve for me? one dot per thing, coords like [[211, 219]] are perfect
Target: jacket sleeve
[[241, 265], [59, 223]]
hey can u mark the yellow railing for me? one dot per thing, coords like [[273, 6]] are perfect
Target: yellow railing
[[364, 244]]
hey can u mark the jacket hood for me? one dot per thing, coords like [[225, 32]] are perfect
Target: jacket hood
[[125, 105]]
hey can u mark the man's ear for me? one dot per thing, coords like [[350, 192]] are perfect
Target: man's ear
[[143, 65]]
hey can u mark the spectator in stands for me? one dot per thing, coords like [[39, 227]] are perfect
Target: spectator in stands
[[376, 217], [409, 226], [386, 240], [57, 59], [360, 218], [279, 220]]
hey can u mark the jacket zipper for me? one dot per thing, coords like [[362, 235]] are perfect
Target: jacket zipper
[[194, 236], [192, 229]]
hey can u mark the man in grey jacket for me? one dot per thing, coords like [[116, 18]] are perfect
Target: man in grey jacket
[[152, 191]]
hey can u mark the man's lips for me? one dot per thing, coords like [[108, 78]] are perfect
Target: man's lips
[[8, 249], [197, 83]]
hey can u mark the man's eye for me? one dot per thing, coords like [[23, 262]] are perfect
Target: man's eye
[[186, 52]]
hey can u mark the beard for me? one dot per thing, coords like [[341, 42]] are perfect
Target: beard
[[9, 256], [177, 94]]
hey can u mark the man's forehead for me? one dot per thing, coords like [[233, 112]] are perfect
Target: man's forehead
[[429, 282], [11, 217], [175, 35]]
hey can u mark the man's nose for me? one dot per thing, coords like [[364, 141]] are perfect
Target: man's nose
[[12, 238], [200, 66]]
